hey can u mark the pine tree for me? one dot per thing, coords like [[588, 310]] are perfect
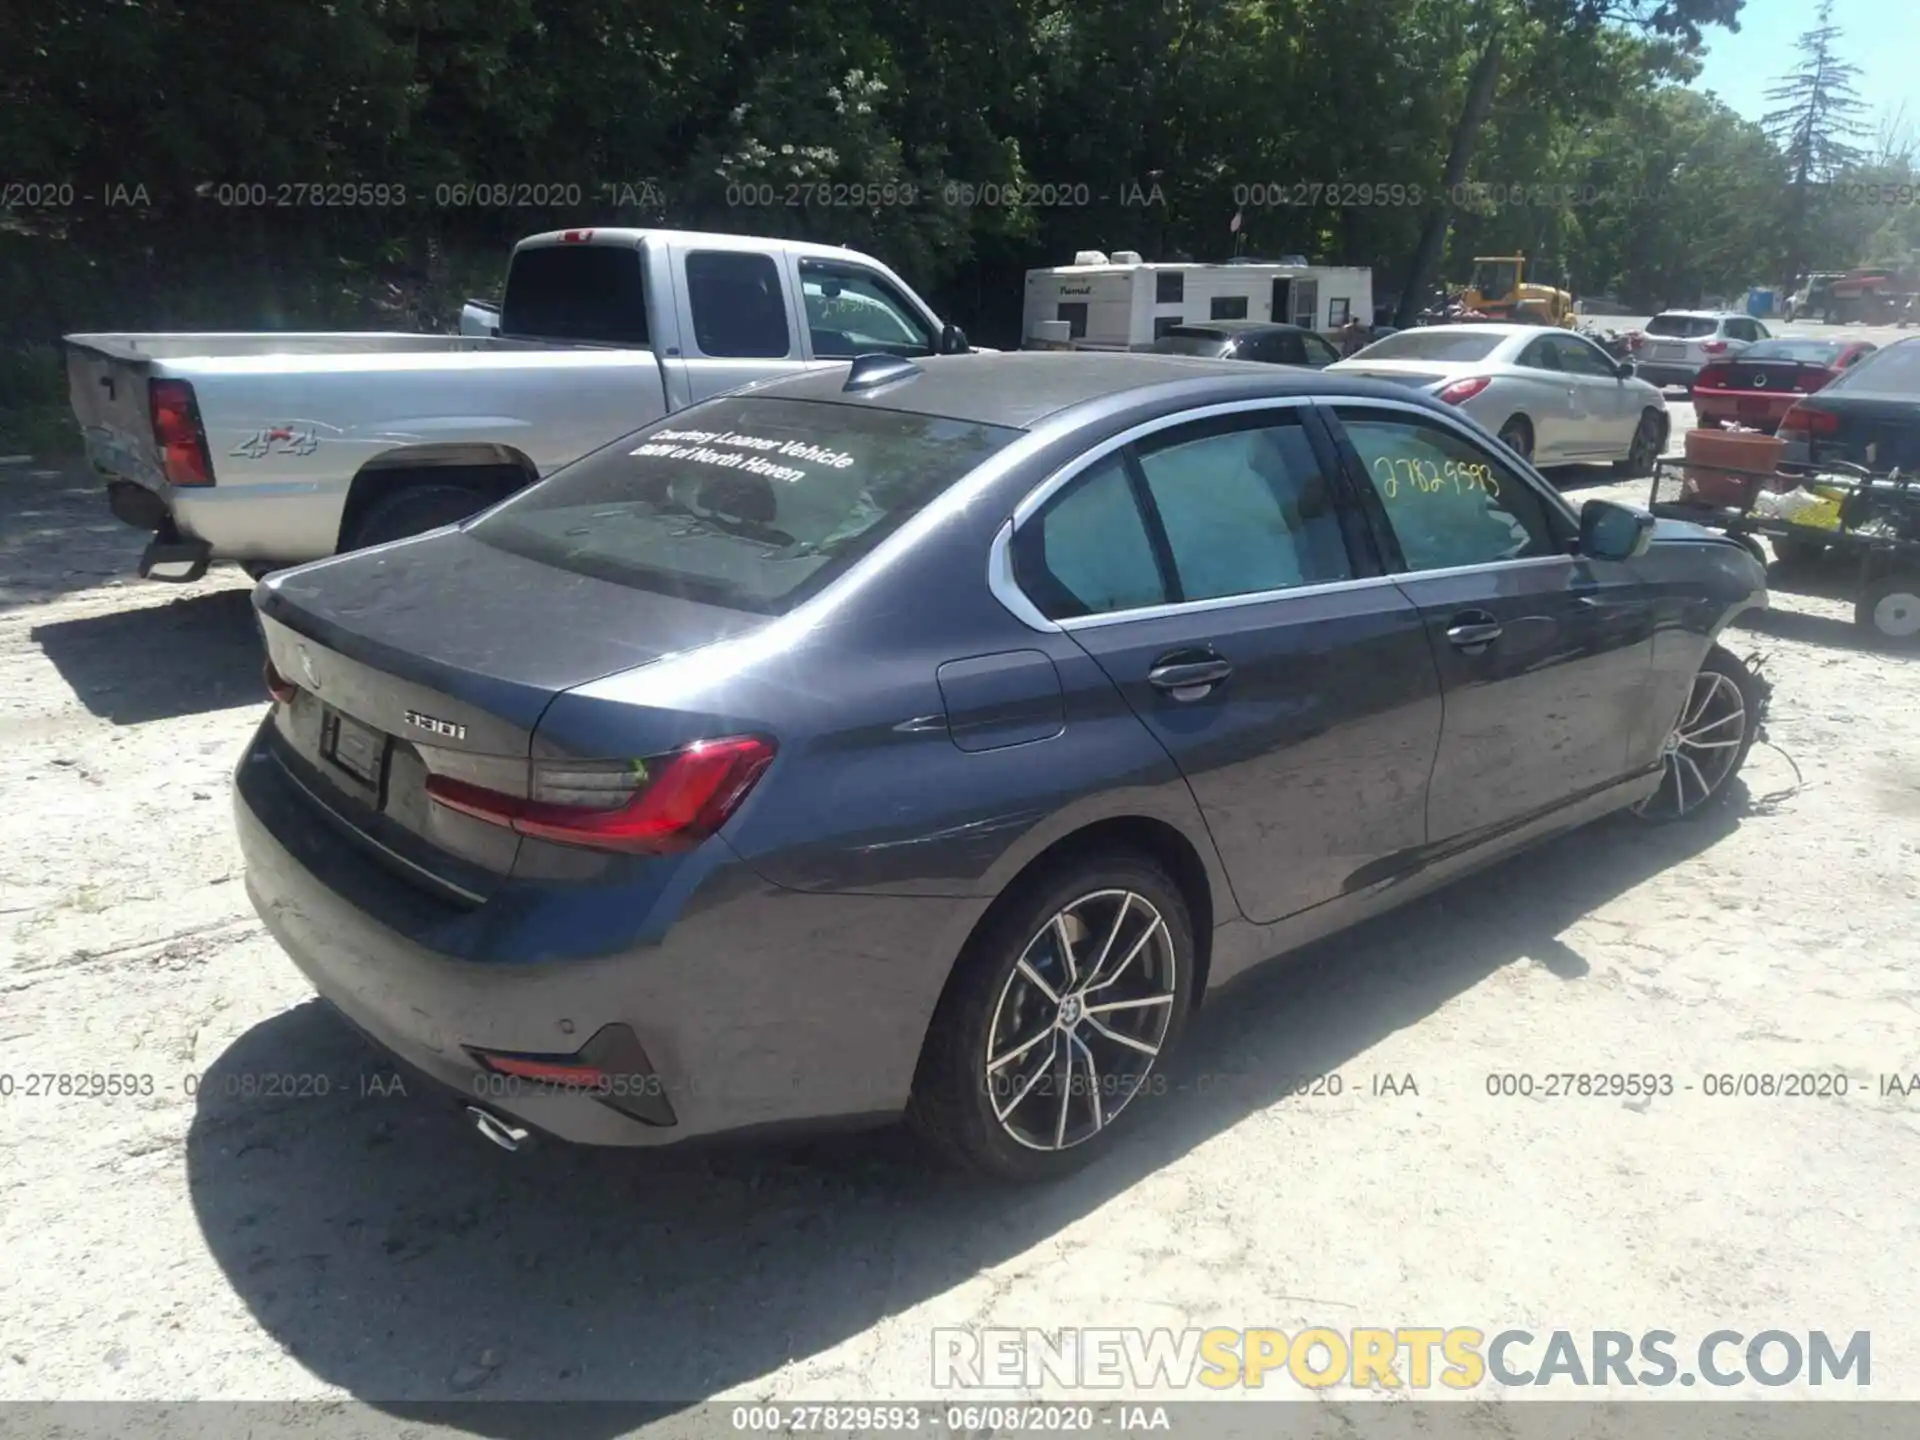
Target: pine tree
[[1817, 120]]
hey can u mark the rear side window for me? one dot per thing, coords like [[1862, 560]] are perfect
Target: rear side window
[[748, 502], [1087, 552], [592, 293], [1202, 512], [1245, 510], [739, 310]]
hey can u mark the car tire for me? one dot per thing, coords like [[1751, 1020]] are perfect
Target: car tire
[[977, 1102], [1517, 436], [1649, 439], [1697, 762], [414, 510], [1889, 609]]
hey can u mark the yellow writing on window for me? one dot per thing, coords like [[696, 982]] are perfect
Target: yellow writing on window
[[1406, 475]]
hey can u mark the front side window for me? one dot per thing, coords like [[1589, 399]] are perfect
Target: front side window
[[851, 312], [1449, 502], [1244, 510], [1579, 358], [739, 310], [750, 502], [1319, 352], [1088, 551]]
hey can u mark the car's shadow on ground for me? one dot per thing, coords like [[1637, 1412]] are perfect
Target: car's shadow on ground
[[402, 1259], [56, 535], [184, 657]]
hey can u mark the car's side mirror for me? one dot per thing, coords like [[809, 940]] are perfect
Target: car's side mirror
[[953, 340], [1625, 369], [1611, 531]]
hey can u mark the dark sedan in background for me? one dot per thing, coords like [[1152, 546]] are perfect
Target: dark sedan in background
[[891, 739], [1869, 416], [1257, 340]]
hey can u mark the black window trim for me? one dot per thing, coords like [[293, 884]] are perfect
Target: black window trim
[[1551, 500], [1374, 570]]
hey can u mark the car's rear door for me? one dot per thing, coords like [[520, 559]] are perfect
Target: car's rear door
[[738, 322], [1220, 571], [1545, 656]]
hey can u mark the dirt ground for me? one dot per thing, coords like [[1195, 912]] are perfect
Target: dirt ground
[[200, 1242]]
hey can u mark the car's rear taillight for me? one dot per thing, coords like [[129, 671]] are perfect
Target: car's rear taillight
[[279, 687], [648, 807], [1713, 377], [178, 432], [1715, 347], [1814, 422], [1463, 390]]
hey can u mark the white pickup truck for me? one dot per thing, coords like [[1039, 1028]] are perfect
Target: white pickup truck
[[270, 449]]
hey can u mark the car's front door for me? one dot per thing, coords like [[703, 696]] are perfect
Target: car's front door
[[1221, 572], [1599, 396], [1557, 422], [1545, 655]]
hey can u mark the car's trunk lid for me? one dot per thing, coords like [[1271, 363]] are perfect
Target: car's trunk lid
[[1414, 373], [439, 656]]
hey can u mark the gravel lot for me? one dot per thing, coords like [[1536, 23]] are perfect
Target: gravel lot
[[201, 1242]]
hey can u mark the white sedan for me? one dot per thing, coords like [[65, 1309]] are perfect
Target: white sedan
[[1552, 395]]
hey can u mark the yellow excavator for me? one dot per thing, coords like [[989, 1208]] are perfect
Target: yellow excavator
[[1500, 290]]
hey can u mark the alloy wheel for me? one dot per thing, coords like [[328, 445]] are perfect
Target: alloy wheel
[[1701, 750], [1080, 1019]]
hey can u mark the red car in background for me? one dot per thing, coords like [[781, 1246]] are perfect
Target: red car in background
[[1761, 384]]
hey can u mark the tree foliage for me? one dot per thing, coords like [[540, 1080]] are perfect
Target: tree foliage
[[963, 143]]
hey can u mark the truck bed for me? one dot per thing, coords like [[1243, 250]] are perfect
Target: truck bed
[[135, 346]]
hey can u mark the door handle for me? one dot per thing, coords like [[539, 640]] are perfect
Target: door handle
[[1188, 676], [1473, 631]]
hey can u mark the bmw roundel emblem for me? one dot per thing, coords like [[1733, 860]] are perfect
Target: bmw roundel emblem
[[306, 668]]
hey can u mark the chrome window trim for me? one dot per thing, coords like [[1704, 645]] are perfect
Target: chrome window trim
[[1001, 583]]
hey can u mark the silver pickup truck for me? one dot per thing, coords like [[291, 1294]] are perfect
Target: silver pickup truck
[[270, 449]]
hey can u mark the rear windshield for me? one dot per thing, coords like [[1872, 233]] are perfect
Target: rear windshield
[[1890, 374], [1686, 327], [753, 503], [583, 292], [1177, 342], [1811, 352], [1436, 342]]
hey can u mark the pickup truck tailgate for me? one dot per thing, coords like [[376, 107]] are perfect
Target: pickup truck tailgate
[[107, 387]]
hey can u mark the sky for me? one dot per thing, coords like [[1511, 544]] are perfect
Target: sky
[[1882, 37]]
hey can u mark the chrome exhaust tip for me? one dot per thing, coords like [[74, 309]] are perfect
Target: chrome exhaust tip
[[507, 1137]]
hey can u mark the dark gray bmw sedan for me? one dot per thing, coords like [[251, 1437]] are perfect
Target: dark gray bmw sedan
[[930, 740]]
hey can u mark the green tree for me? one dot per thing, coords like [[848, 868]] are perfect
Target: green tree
[[1815, 124]]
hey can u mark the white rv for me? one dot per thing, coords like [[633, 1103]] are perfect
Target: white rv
[[1121, 302]]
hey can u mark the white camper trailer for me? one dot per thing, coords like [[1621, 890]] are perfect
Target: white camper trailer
[[1121, 302]]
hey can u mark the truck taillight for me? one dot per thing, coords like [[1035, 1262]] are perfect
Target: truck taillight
[[653, 807], [178, 432]]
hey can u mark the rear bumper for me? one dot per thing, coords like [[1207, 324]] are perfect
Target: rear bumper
[[752, 1007], [1666, 372], [1740, 407]]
